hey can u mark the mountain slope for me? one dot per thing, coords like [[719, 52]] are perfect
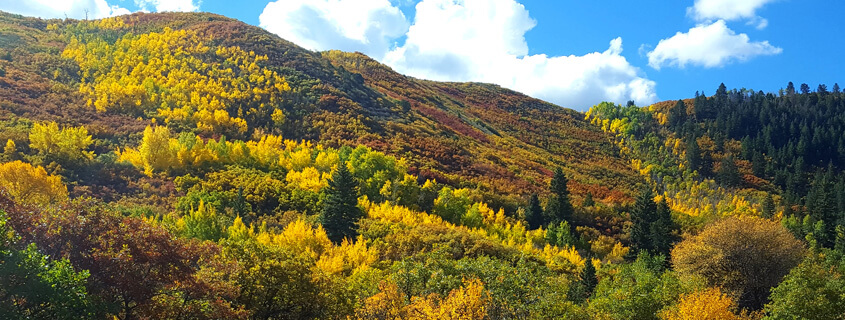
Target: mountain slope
[[464, 134]]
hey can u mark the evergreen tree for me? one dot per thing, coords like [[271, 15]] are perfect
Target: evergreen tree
[[643, 215], [559, 208], [534, 215], [663, 230], [581, 290], [693, 154], [768, 207], [678, 114], [588, 277], [728, 174], [340, 208]]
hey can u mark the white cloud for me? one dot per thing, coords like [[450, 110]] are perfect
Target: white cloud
[[483, 40], [712, 45], [461, 40], [709, 10], [167, 5], [351, 25], [75, 9]]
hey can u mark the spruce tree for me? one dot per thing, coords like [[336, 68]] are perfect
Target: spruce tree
[[643, 215], [728, 174], [340, 208], [559, 208], [693, 154], [534, 214], [678, 114], [768, 207], [663, 230], [588, 277], [581, 290]]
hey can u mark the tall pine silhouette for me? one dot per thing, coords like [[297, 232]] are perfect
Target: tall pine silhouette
[[534, 213], [559, 208], [643, 215], [340, 209]]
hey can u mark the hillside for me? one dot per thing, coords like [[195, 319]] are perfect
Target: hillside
[[190, 166], [461, 134]]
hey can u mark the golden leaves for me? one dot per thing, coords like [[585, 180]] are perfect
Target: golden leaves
[[31, 185]]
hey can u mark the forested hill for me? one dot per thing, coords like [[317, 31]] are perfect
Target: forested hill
[[190, 166], [472, 135]]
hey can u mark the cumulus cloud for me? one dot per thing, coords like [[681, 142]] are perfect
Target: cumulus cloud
[[461, 40], [167, 5], [350, 25], [709, 10], [712, 45], [75, 9]]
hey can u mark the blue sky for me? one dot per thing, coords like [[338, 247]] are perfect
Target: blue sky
[[573, 53]]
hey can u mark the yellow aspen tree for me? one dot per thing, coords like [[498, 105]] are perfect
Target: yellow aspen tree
[[31, 185]]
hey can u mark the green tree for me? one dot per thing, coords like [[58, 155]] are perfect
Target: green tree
[[815, 289], [663, 230], [560, 235], [33, 286], [559, 207], [693, 154], [678, 114], [638, 290], [728, 174], [767, 209], [588, 200], [534, 214], [340, 208], [643, 215]]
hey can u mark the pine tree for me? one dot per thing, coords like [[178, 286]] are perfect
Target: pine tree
[[340, 209], [663, 230], [678, 114], [559, 208], [728, 174], [693, 154], [643, 215], [768, 207], [534, 214], [581, 290], [588, 277]]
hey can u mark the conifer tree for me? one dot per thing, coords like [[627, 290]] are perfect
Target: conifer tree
[[559, 208], [728, 173], [663, 230], [340, 208], [643, 215], [768, 207], [693, 154], [678, 114], [588, 277], [534, 214]]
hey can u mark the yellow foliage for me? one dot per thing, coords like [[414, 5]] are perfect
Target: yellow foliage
[[307, 179], [176, 73], [238, 231], [69, 143], [31, 185], [469, 302], [299, 237], [710, 304], [347, 257]]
